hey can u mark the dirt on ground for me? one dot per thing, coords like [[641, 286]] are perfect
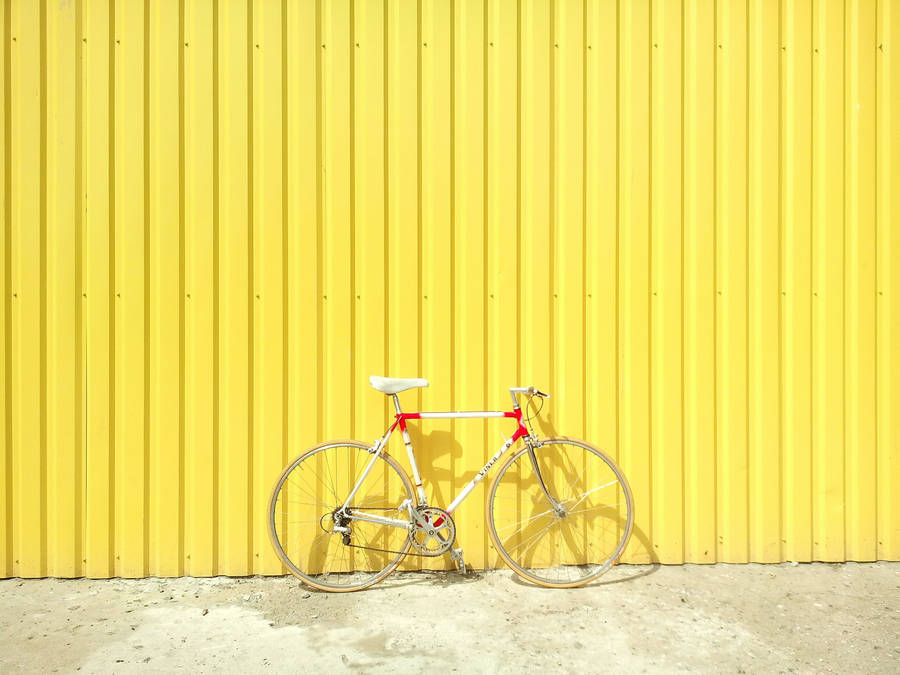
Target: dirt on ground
[[811, 618]]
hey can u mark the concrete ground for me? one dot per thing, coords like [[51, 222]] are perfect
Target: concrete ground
[[658, 619]]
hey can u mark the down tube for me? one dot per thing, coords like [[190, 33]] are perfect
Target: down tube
[[484, 472]]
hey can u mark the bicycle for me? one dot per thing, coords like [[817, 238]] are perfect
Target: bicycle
[[560, 511]]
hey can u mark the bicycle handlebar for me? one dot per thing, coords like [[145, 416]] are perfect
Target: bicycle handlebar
[[531, 391]]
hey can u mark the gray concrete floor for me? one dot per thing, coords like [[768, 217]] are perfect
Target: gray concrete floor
[[659, 619]]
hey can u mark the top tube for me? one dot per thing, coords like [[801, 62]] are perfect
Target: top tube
[[458, 414]]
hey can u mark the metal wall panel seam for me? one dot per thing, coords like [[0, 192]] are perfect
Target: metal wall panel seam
[[145, 152], [268, 249], [634, 270], [27, 224], [352, 422], [781, 283], [436, 445], [236, 287], [6, 484], [860, 402], [552, 241], [164, 250], [99, 310], [182, 292], [681, 214], [130, 507], [585, 274], [716, 236], [763, 284], [828, 257], [665, 280], [369, 240], [731, 284], [287, 353], [597, 383], [797, 135], [42, 276], [888, 215], [518, 226], [80, 292], [699, 274], [469, 210], [296, 208], [200, 556], [216, 294], [503, 235], [285, 249], [386, 191], [417, 292], [455, 482], [63, 298], [252, 526]]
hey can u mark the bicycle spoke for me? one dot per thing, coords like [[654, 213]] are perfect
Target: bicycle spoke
[[525, 522], [575, 544], [530, 538], [310, 494], [585, 495], [601, 507]]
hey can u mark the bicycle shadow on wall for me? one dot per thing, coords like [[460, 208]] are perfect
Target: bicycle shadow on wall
[[430, 449], [437, 454]]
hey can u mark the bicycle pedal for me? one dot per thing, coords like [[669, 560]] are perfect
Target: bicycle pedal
[[456, 555]]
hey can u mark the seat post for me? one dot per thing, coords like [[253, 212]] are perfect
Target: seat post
[[397, 403]]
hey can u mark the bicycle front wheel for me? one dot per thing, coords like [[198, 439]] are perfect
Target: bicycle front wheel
[[318, 544], [568, 531]]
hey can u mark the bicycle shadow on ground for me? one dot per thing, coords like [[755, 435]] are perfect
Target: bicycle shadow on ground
[[402, 578], [621, 572]]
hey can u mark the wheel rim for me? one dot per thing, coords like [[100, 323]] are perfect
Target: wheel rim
[[305, 509], [577, 542]]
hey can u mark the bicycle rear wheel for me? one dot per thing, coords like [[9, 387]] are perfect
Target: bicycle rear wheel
[[303, 514], [575, 541]]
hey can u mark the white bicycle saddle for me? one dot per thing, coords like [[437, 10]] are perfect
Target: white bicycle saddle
[[394, 385]]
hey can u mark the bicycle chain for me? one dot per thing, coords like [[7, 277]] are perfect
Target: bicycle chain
[[387, 550]]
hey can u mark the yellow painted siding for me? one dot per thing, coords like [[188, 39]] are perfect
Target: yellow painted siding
[[680, 217]]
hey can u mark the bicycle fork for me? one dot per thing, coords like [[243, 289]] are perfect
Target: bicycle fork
[[558, 508]]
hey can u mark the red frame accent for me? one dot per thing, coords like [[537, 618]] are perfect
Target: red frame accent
[[516, 414]]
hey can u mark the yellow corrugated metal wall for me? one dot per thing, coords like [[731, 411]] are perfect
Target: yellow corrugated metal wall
[[680, 217]]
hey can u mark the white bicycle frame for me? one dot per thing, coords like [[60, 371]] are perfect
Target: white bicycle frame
[[402, 417]]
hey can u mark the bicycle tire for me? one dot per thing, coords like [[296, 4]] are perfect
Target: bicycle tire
[[540, 544], [298, 529]]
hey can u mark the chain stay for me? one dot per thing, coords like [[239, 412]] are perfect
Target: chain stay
[[436, 554]]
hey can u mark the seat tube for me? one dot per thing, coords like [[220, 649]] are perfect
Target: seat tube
[[409, 451]]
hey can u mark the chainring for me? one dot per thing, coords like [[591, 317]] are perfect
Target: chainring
[[433, 531]]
